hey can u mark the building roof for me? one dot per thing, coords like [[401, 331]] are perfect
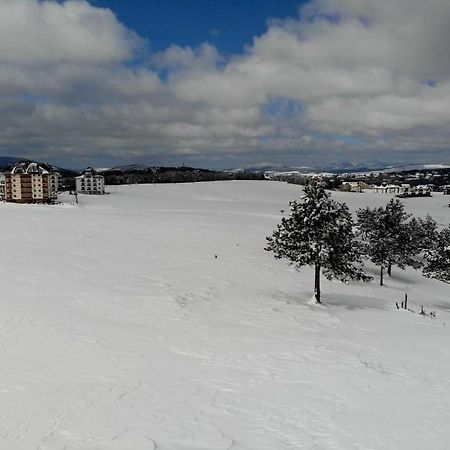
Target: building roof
[[89, 171], [28, 167]]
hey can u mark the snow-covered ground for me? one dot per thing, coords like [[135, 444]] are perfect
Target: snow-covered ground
[[152, 318]]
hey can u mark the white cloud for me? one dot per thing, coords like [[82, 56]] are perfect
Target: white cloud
[[33, 32], [177, 58], [375, 71]]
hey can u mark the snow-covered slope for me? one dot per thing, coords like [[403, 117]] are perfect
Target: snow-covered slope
[[152, 318]]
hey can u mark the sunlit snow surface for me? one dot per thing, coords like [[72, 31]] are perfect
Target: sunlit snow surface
[[120, 329]]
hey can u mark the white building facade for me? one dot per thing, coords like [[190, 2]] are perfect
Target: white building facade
[[392, 189], [90, 182]]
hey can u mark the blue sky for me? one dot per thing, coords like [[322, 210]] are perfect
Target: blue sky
[[225, 84], [228, 24]]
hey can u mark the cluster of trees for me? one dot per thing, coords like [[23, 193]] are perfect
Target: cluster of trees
[[162, 175], [321, 232], [328, 182], [173, 175]]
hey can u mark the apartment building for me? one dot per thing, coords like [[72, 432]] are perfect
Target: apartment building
[[29, 182], [2, 186], [90, 182], [55, 177]]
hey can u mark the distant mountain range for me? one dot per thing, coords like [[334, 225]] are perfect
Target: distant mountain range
[[124, 168], [375, 166], [7, 161], [342, 167]]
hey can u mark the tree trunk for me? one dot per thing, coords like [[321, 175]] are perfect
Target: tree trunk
[[389, 269], [317, 283], [381, 276]]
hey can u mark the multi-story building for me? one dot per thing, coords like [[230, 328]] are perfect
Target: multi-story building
[[2, 186], [55, 177], [90, 182], [29, 182]]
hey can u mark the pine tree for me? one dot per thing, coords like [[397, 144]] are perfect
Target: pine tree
[[387, 237], [423, 232], [319, 233], [437, 257]]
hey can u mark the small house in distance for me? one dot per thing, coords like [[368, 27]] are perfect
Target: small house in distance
[[353, 186], [392, 189], [90, 182], [30, 182], [423, 190]]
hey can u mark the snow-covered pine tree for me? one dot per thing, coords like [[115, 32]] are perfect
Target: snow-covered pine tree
[[319, 233], [423, 232], [387, 237], [437, 258]]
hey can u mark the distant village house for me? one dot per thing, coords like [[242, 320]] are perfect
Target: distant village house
[[392, 189], [354, 186], [422, 190], [404, 190]]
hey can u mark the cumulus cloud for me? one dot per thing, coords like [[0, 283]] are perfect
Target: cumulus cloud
[[346, 78], [46, 32]]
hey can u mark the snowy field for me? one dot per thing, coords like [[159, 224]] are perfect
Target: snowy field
[[120, 329]]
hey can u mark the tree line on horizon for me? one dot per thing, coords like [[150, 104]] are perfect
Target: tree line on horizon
[[174, 175], [321, 232]]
